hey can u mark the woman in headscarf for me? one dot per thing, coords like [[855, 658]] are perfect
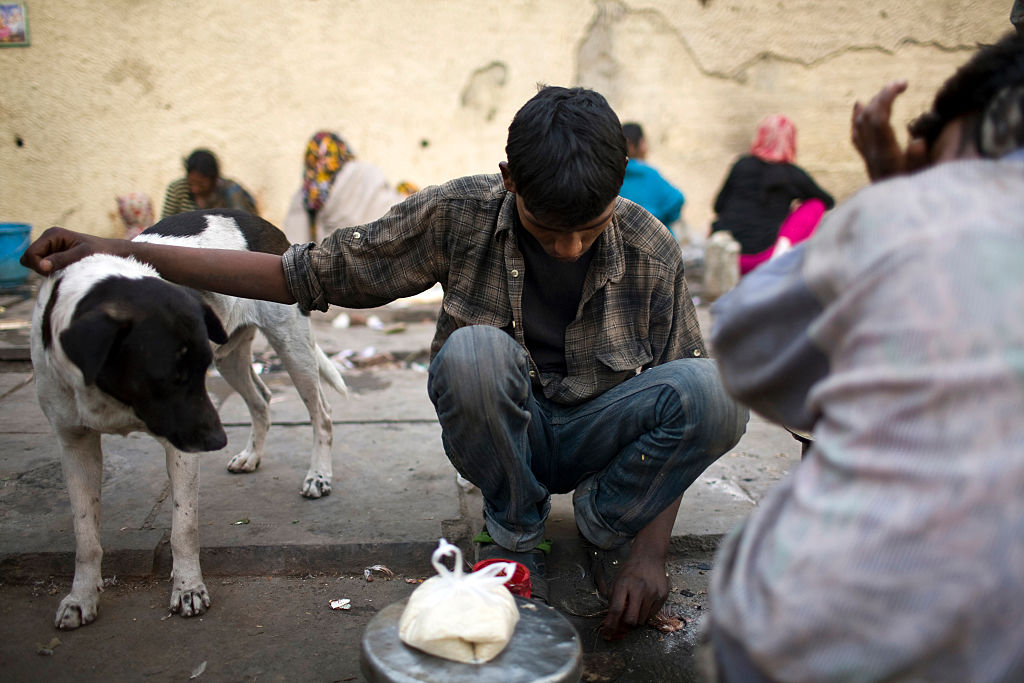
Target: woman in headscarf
[[337, 191], [767, 202]]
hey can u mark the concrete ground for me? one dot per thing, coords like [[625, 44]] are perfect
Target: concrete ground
[[273, 560]]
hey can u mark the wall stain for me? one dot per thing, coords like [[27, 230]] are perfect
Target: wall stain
[[131, 69], [483, 93]]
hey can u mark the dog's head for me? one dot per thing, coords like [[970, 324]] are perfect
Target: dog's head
[[145, 342]]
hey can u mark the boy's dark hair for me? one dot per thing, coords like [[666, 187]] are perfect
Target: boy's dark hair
[[203, 161], [981, 83], [566, 155], [634, 133]]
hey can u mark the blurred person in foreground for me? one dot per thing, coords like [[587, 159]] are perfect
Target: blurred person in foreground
[[895, 550], [337, 191], [767, 202], [567, 356], [643, 183], [204, 188]]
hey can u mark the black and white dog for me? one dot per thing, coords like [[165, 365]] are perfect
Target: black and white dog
[[117, 349]]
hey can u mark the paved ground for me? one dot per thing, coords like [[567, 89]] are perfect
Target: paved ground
[[272, 559]]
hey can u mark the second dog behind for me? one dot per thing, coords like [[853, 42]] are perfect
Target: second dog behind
[[285, 327]]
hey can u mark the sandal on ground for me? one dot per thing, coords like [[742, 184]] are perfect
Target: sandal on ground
[[533, 560]]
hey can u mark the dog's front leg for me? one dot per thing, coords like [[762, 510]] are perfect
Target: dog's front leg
[[82, 461], [188, 592]]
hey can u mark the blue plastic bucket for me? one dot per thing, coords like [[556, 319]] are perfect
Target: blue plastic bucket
[[14, 239]]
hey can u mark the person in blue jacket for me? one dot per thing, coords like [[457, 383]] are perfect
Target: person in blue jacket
[[644, 185]]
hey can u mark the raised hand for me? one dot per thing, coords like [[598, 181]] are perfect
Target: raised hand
[[874, 138]]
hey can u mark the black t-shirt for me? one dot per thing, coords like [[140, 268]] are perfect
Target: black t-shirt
[[551, 295]]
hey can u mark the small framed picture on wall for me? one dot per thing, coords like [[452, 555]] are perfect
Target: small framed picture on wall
[[13, 24]]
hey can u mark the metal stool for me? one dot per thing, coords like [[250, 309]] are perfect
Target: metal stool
[[544, 646], [805, 439]]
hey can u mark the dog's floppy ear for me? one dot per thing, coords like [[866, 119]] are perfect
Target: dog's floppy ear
[[89, 338], [214, 330]]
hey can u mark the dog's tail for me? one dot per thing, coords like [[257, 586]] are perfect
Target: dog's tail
[[329, 372]]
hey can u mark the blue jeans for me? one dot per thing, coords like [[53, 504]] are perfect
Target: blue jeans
[[627, 454]]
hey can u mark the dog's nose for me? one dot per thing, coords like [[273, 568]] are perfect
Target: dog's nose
[[215, 440]]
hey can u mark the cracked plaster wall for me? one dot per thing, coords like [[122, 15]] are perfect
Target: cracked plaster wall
[[102, 105]]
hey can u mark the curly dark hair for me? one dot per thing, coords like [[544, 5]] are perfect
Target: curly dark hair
[[978, 85], [566, 155]]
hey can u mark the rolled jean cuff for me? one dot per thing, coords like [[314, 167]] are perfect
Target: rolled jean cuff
[[516, 541], [589, 521]]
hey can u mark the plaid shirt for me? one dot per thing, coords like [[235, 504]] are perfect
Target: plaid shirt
[[635, 311]]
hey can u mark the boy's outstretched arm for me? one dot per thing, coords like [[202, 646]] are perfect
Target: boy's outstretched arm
[[247, 274]]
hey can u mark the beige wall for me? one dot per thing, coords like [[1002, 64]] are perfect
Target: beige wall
[[111, 95]]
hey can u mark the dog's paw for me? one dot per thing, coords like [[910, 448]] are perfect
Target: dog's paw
[[190, 602], [74, 612], [246, 461], [316, 486]]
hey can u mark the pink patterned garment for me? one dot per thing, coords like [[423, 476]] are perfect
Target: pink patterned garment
[[136, 211], [775, 139]]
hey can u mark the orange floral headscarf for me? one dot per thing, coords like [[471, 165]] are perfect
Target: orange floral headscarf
[[775, 139], [326, 153]]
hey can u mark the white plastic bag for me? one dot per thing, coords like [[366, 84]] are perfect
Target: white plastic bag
[[463, 617]]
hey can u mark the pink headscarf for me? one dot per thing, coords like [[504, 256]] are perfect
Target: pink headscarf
[[775, 139], [136, 211]]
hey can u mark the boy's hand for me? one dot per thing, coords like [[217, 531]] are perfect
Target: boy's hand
[[639, 592], [58, 247]]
